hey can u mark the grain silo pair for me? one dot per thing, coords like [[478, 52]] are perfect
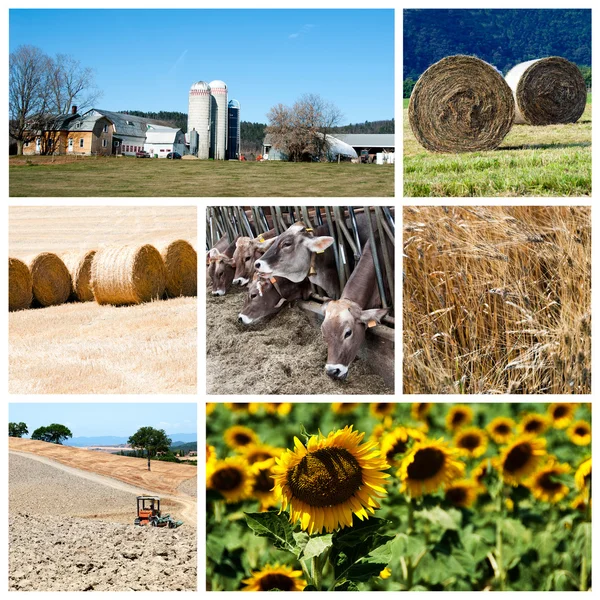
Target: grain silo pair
[[463, 104], [213, 123]]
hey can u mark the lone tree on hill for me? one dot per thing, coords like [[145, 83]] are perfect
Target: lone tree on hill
[[54, 433], [151, 440], [17, 429]]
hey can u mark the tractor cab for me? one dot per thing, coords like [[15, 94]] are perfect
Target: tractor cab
[[148, 513]]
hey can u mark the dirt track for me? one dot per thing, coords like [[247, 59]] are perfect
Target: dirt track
[[52, 548], [285, 355]]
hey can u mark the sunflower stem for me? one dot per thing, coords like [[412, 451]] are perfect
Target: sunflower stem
[[410, 568], [584, 558], [315, 568], [499, 541]]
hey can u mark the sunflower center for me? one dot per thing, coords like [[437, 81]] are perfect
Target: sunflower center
[[242, 439], [533, 426], [427, 463], [581, 431], [227, 479], [382, 406], [276, 581], [456, 495], [560, 411], [547, 482], [258, 457], [326, 477], [517, 458], [398, 448], [458, 418], [469, 441], [421, 408], [502, 429], [263, 482]]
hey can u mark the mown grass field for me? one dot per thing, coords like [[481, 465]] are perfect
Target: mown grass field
[[41, 176], [555, 160], [84, 348]]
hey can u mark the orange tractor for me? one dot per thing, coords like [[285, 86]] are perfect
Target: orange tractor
[[148, 513]]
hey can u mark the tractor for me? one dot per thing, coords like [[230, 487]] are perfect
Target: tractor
[[148, 513]]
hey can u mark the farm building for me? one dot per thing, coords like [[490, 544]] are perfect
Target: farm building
[[162, 140], [101, 132], [371, 142], [337, 148]]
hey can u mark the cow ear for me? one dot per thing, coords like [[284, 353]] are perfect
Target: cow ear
[[262, 247], [319, 244], [324, 306], [228, 261], [373, 315], [241, 240]]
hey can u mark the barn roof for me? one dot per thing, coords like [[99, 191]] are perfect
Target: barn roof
[[368, 140], [159, 134], [124, 124]]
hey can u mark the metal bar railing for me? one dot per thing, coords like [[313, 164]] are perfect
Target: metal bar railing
[[378, 274], [389, 271]]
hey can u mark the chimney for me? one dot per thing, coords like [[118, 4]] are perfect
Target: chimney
[[73, 110]]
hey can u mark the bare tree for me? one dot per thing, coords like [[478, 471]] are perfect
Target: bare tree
[[71, 84], [301, 132], [28, 99]]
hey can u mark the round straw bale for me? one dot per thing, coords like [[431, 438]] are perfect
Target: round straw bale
[[547, 91], [181, 262], [461, 104], [51, 279], [80, 268], [20, 285], [128, 275]]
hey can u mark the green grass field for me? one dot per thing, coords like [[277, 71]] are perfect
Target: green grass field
[[555, 160], [66, 176]]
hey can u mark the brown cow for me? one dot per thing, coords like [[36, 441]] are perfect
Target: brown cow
[[221, 269], [347, 319], [267, 296], [247, 251]]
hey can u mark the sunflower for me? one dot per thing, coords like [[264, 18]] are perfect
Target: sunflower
[[344, 408], [397, 442], [381, 429], [211, 453], [428, 465], [544, 485], [230, 477], [462, 493], [243, 407], [254, 453], [580, 433], [458, 416], [382, 409], [420, 410], [263, 483], [561, 414], [274, 577], [580, 503], [471, 442], [583, 475], [501, 429], [329, 479], [533, 424], [386, 573], [239, 436], [480, 472], [521, 458], [210, 408], [281, 409]]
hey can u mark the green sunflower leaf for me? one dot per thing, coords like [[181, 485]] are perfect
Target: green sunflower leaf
[[317, 545], [275, 527], [346, 586], [449, 519]]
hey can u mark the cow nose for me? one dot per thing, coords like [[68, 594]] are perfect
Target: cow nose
[[333, 373], [257, 265], [240, 320]]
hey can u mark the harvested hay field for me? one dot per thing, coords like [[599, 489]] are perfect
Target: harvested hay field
[[47, 176], [285, 355], [84, 348], [461, 104], [70, 533], [497, 300]]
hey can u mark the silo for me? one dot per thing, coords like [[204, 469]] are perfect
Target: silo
[[199, 115], [218, 92], [233, 130]]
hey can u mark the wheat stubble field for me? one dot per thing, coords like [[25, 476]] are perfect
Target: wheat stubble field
[[88, 348], [497, 300]]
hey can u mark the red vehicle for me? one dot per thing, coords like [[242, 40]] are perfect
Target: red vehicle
[[142, 154]]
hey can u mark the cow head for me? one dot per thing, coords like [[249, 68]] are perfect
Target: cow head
[[290, 254], [220, 270], [344, 331], [262, 301], [247, 251]]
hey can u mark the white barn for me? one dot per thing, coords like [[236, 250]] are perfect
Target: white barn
[[161, 140]]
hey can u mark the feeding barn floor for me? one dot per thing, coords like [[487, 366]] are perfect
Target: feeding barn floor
[[285, 355]]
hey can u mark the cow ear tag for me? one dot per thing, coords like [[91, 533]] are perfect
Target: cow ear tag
[[371, 323], [261, 239], [273, 280]]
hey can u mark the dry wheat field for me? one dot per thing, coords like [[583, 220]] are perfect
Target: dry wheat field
[[497, 300], [129, 335]]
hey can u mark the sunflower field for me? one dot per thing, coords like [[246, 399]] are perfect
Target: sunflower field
[[398, 496]]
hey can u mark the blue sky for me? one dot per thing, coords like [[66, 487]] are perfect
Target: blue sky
[[118, 418], [148, 59]]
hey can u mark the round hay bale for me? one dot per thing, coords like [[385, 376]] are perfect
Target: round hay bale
[[20, 285], [80, 268], [128, 275], [547, 91], [51, 279], [461, 104], [181, 262]]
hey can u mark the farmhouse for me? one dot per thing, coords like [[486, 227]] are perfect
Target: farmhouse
[[102, 132]]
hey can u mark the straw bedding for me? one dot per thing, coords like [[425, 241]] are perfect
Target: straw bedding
[[50, 278], [181, 263], [128, 275], [547, 91], [461, 104], [20, 285], [80, 268]]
